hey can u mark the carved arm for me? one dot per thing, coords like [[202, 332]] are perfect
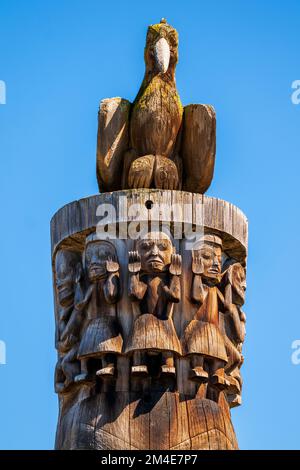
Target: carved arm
[[198, 292], [174, 290], [236, 318], [136, 288], [112, 285], [72, 329]]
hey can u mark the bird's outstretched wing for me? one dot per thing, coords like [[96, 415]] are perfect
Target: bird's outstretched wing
[[198, 147], [112, 142]]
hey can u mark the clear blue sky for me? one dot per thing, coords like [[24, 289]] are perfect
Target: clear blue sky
[[58, 60]]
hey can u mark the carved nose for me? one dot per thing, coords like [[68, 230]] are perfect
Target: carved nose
[[94, 260], [154, 250], [162, 55]]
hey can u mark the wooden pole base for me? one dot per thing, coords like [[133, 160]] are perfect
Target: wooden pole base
[[156, 421]]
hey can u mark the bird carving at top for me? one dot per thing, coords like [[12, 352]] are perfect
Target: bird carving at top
[[155, 142]]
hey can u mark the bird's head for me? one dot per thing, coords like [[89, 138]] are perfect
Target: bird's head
[[161, 51]]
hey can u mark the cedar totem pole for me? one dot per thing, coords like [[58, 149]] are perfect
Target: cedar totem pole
[[149, 279]]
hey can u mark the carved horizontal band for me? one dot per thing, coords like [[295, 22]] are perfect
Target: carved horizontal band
[[71, 223]]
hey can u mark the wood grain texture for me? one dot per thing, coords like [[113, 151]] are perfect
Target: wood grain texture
[[149, 279], [129, 421], [71, 223], [112, 141], [198, 147], [205, 332], [155, 141]]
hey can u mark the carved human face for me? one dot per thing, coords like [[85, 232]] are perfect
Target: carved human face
[[211, 259], [96, 255], [155, 250], [67, 266], [238, 284]]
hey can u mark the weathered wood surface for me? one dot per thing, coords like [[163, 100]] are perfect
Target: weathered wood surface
[[134, 421], [198, 147], [155, 141], [121, 340], [113, 141], [71, 223], [149, 284]]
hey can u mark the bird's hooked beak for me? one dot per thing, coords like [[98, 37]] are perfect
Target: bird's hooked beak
[[162, 55]]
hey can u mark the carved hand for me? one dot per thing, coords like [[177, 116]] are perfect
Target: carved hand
[[134, 262], [112, 266], [197, 266], [175, 266]]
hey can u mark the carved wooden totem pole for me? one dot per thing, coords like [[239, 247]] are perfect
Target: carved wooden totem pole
[[149, 279]]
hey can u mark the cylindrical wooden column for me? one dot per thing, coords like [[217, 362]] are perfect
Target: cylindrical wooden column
[[129, 377]]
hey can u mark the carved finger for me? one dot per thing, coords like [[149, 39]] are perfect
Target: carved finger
[[138, 261], [178, 264], [179, 261], [196, 264], [148, 180], [172, 183], [165, 183], [143, 181], [135, 182], [176, 178], [134, 262], [175, 268], [139, 181], [130, 256]]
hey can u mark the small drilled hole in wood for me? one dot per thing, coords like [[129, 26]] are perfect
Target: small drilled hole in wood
[[149, 204]]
